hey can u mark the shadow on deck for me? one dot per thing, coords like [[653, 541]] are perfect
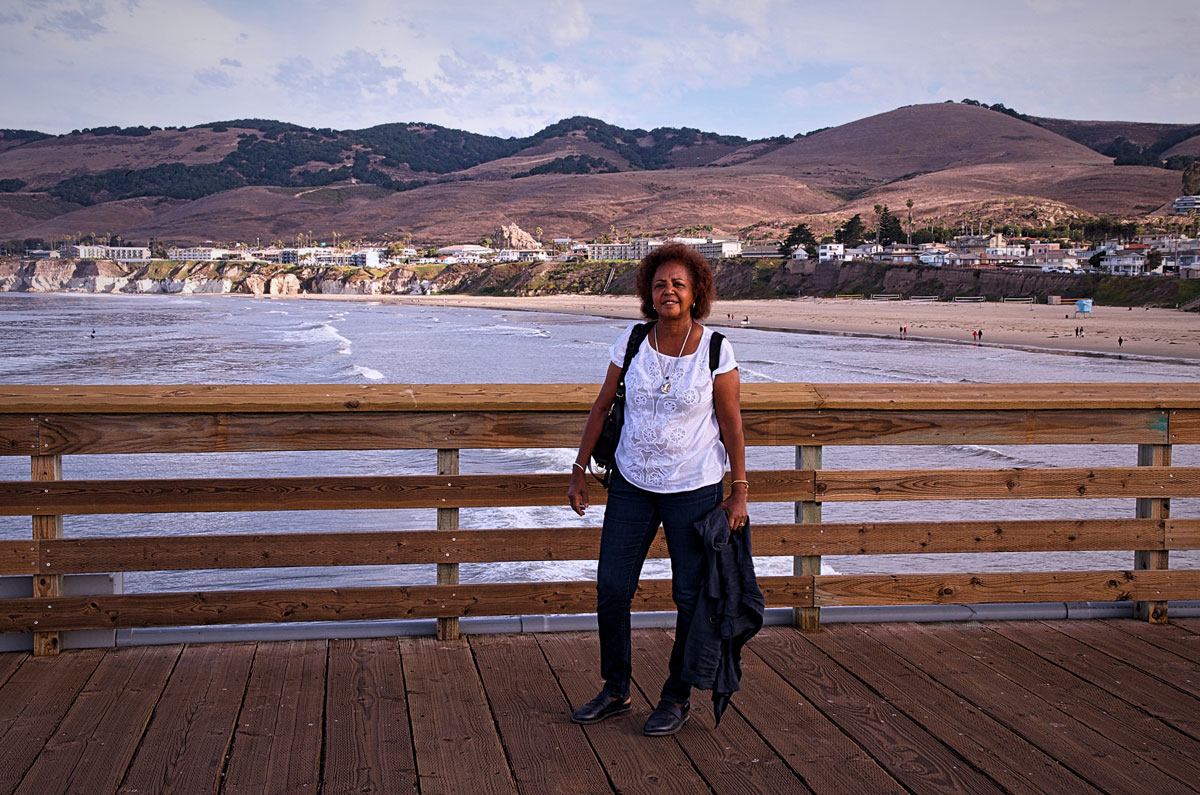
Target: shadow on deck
[[1066, 706]]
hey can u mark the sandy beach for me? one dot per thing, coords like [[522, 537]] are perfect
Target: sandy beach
[[1164, 333]]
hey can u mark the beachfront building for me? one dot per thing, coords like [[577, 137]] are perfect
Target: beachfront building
[[466, 252], [521, 255], [899, 254], [1124, 262], [114, 253], [1186, 204], [1010, 250], [196, 254], [830, 251], [298, 256], [367, 257], [718, 247], [610, 251], [762, 250], [935, 257]]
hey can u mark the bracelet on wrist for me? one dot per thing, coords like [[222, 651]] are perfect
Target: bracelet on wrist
[[582, 468], [745, 483]]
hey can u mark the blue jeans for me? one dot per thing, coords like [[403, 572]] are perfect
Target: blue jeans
[[631, 520]]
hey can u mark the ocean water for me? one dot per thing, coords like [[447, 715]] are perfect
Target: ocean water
[[104, 339]]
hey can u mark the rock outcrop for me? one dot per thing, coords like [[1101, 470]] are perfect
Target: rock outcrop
[[511, 236]]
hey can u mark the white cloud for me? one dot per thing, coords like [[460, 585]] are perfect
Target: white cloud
[[756, 67]]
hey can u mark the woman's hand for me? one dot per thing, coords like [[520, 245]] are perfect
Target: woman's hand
[[736, 508], [577, 494]]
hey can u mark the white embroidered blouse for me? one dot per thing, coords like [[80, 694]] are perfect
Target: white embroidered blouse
[[671, 442]]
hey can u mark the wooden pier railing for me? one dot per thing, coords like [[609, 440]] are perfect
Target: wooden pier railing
[[46, 423]]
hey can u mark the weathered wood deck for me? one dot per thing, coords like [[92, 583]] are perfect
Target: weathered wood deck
[[1061, 707]]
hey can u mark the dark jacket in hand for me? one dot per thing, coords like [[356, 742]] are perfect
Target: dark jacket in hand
[[729, 610]]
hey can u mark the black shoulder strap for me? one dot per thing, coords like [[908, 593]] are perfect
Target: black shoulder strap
[[636, 337], [714, 351]]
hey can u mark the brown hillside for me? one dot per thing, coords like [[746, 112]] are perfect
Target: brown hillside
[[580, 205], [1100, 189], [1189, 147], [43, 163], [1099, 134], [954, 161], [573, 144], [121, 217], [863, 154]]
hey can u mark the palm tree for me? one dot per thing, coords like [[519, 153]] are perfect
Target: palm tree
[[910, 206]]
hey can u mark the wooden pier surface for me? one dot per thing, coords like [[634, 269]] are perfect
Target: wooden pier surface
[[1057, 707]]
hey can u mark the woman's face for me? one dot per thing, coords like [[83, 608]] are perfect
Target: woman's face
[[671, 290]]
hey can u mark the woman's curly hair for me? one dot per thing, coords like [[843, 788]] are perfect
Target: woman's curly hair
[[702, 279]]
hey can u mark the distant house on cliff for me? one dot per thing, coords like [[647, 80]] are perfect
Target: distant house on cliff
[[830, 251], [1124, 262], [196, 254]]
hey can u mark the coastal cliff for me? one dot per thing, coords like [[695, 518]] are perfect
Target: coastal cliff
[[734, 279]]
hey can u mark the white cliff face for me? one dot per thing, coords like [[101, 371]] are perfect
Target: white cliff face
[[285, 284], [66, 275]]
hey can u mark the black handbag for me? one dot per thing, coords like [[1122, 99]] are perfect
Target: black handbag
[[605, 450]]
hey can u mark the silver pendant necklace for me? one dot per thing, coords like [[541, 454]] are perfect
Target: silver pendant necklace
[[665, 387]]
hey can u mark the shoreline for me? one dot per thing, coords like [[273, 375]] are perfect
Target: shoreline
[[1159, 335], [1148, 334]]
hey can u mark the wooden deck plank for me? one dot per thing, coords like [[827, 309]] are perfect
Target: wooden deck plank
[[634, 763], [92, 747], [33, 700], [184, 747], [816, 749], [531, 712], [1000, 753], [731, 757], [277, 745], [1112, 675], [1089, 753], [457, 747], [909, 753], [368, 742], [1174, 669], [1190, 624], [9, 663], [1170, 636], [1161, 745]]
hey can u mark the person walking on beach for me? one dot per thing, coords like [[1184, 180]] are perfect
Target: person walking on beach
[[1120, 342], [682, 420]]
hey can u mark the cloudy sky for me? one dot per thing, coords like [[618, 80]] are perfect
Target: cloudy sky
[[744, 67]]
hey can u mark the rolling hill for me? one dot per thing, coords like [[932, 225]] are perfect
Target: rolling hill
[[252, 178]]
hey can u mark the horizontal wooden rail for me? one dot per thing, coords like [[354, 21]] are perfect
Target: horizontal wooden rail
[[1006, 484], [1059, 586], [19, 498], [76, 433], [345, 604], [240, 398], [413, 547], [324, 493]]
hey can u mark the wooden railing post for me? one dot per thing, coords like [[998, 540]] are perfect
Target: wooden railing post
[[447, 519], [1153, 455], [807, 512], [46, 467]]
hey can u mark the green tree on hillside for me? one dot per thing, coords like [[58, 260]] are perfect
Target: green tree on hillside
[[850, 233], [887, 229], [800, 235], [1191, 180]]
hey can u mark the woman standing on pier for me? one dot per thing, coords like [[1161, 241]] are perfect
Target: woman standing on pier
[[682, 420]]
